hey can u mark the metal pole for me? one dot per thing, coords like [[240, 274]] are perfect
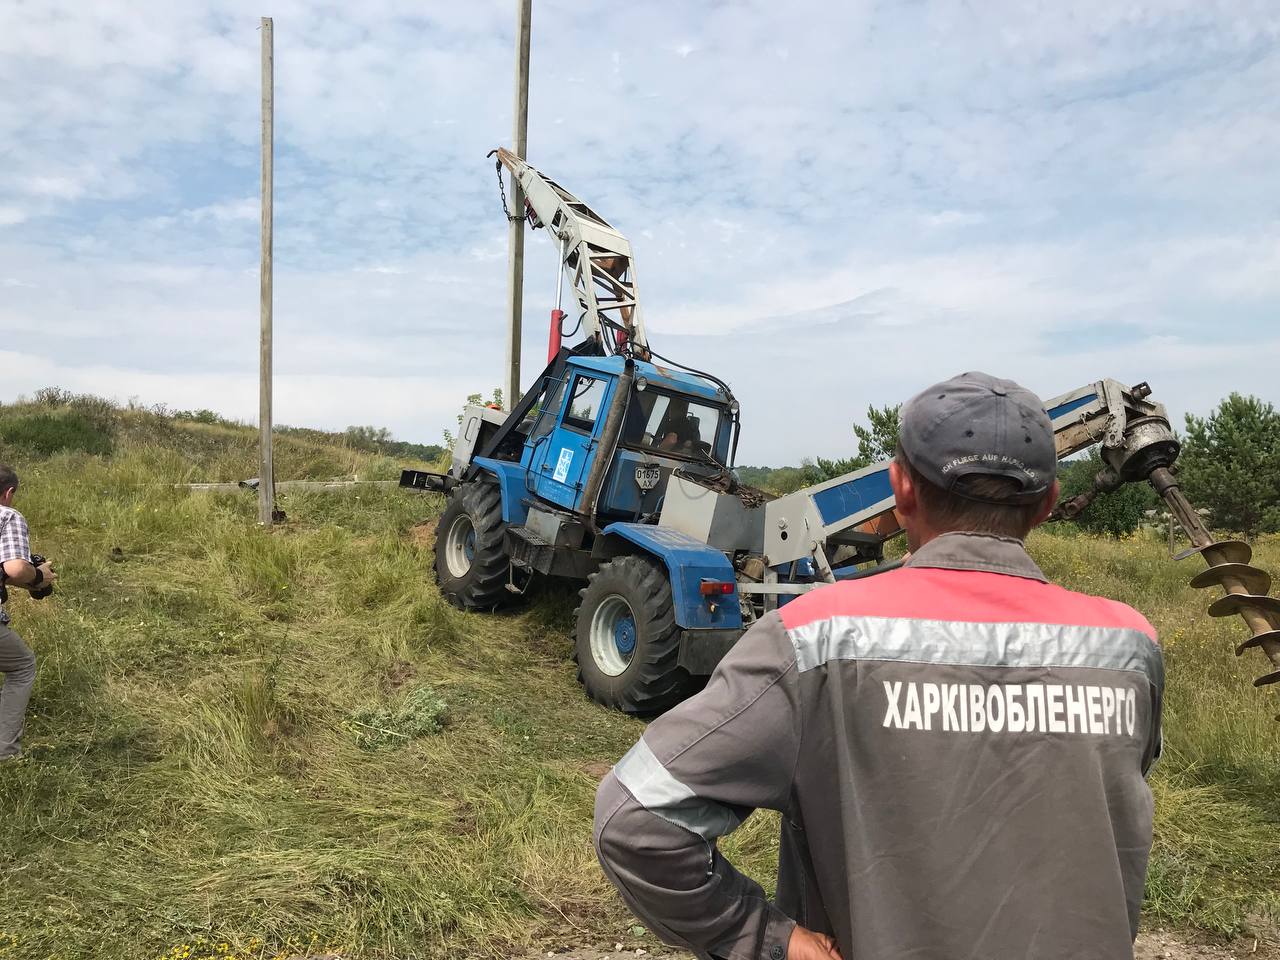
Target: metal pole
[[515, 232], [266, 475]]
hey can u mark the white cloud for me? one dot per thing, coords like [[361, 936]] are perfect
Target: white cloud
[[953, 218], [59, 188], [246, 208]]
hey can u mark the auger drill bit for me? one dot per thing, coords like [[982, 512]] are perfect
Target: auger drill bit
[[1147, 451], [1246, 586]]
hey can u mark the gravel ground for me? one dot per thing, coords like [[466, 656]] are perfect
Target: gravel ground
[[1159, 945]]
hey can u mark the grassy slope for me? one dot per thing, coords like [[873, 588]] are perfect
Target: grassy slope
[[194, 781]]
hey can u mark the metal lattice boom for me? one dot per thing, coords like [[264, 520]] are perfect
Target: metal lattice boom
[[594, 255]]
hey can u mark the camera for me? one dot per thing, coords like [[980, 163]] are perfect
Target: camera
[[44, 591], [40, 594]]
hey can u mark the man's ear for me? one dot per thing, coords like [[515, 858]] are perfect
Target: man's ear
[[904, 491], [1050, 501]]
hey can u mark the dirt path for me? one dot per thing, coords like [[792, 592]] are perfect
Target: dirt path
[[1156, 945], [1159, 945]]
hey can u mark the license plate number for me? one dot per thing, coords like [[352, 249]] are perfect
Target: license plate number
[[647, 477]]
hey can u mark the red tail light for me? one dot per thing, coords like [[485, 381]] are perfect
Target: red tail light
[[715, 588]]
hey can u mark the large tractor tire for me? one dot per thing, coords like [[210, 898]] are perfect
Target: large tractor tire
[[471, 557], [627, 640]]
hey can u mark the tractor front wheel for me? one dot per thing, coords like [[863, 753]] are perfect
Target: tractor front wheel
[[471, 556], [627, 642]]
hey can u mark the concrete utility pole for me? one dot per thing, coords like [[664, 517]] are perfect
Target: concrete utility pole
[[515, 247], [266, 474]]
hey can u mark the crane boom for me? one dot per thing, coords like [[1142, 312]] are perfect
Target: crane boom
[[593, 254]]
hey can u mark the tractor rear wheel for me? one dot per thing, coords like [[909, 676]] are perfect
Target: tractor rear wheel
[[471, 556], [627, 643]]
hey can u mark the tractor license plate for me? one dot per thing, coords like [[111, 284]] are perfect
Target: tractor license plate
[[647, 476]]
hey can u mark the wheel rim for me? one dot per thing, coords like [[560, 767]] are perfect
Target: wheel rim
[[460, 546], [613, 635]]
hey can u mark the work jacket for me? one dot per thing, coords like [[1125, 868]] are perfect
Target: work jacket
[[958, 749]]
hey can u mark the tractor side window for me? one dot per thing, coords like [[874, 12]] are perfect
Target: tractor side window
[[546, 411], [585, 402]]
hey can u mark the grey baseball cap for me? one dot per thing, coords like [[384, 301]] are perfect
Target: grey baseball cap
[[979, 425]]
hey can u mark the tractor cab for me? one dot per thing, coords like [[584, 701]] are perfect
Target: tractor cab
[[651, 420]]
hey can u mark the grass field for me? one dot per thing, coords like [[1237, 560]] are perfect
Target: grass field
[[233, 745]]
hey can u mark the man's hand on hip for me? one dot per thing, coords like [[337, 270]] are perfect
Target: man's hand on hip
[[807, 945]]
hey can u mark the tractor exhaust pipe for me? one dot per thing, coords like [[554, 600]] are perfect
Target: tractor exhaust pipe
[[608, 444]]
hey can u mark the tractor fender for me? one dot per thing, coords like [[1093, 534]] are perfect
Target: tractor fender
[[688, 563], [511, 479]]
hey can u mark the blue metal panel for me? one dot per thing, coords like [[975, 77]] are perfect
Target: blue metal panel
[[511, 484], [845, 499], [689, 562], [562, 461], [1070, 405], [659, 376], [621, 495]]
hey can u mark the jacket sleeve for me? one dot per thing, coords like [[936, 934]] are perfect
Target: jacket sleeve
[[695, 775]]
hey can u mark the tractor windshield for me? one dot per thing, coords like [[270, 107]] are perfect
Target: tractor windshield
[[676, 425]]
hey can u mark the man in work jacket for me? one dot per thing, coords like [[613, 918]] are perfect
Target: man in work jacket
[[958, 747]]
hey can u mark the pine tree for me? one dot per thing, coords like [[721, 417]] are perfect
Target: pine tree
[[1230, 464]]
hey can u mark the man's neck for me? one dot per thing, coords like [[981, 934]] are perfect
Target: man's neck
[[919, 535]]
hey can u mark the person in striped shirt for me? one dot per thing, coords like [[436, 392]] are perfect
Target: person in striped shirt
[[17, 662]]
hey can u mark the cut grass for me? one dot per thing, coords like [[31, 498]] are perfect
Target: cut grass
[[193, 778]]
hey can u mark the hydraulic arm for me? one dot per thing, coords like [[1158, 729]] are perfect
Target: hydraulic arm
[[593, 254]]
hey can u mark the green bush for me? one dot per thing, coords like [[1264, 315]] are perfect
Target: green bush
[[420, 713], [49, 433]]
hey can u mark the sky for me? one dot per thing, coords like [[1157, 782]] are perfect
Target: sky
[[830, 205]]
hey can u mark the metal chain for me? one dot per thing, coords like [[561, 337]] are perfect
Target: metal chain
[[502, 189]]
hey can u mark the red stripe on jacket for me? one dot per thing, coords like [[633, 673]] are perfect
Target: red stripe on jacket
[[971, 596]]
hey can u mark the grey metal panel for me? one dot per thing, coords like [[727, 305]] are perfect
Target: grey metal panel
[[793, 524], [464, 447], [720, 520], [555, 529]]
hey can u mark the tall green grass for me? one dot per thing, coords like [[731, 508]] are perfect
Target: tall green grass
[[194, 777]]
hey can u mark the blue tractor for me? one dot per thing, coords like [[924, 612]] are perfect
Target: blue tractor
[[572, 484]]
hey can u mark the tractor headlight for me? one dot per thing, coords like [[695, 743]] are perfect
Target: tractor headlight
[[641, 383]]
